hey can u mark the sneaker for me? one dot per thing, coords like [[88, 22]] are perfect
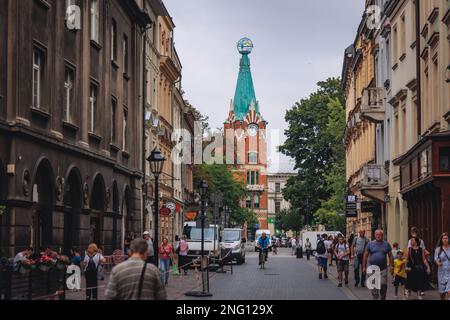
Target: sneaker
[[340, 285], [356, 285], [420, 297], [325, 276], [346, 282], [320, 276]]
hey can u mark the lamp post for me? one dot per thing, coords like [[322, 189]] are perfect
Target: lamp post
[[203, 189], [156, 161]]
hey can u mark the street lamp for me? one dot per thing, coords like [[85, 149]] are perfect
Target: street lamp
[[156, 161], [203, 189]]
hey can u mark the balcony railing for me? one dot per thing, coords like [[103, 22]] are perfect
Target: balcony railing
[[256, 187], [372, 107], [374, 176]]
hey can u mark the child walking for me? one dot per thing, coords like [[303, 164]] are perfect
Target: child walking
[[399, 273]]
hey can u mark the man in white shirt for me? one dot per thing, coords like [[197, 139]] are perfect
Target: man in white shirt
[[294, 245], [151, 249]]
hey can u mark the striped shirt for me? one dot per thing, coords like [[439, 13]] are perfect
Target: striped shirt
[[124, 282]]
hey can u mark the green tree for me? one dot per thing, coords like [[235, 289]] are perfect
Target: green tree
[[314, 141], [219, 178], [289, 220]]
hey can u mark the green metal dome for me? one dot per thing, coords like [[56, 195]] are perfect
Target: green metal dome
[[245, 91]]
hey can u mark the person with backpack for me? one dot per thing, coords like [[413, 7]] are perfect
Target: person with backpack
[[358, 247], [135, 279], [342, 253], [442, 260], [92, 262], [322, 256]]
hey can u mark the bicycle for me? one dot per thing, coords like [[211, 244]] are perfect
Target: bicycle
[[262, 258], [275, 250]]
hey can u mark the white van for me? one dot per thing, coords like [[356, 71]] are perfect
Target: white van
[[258, 234], [233, 238], [194, 240]]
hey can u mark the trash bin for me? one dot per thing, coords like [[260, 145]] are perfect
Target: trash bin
[[299, 252]]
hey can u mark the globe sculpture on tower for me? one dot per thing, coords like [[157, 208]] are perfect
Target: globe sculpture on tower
[[245, 46]]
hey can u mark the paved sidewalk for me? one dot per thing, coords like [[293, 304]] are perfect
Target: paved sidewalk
[[178, 286], [359, 293]]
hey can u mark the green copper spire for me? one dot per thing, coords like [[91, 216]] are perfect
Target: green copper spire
[[245, 91]]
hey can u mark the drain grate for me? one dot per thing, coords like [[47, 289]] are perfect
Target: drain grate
[[272, 274]]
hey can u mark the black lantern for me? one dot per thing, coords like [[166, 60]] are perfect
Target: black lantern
[[203, 188], [156, 160]]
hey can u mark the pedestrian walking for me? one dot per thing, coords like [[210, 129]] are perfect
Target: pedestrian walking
[[333, 242], [395, 250], [308, 249], [135, 279], [358, 247], [322, 255], [294, 245], [75, 258], [418, 268], [442, 260], [151, 249], [377, 254], [399, 274], [165, 257], [92, 262], [183, 250], [342, 253]]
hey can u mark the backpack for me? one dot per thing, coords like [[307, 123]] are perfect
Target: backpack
[[91, 267], [321, 247]]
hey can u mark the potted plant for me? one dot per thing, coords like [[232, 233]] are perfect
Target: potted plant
[[46, 263], [26, 265]]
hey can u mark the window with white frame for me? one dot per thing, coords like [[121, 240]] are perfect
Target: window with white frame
[[94, 17], [277, 187], [92, 107], [38, 64], [68, 93]]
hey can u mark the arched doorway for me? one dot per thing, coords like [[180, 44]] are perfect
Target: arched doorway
[[97, 205], [43, 191], [116, 238], [72, 209]]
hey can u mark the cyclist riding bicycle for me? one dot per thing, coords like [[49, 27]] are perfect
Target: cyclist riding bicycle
[[263, 246]]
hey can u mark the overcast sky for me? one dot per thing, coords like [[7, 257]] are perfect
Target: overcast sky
[[297, 43]]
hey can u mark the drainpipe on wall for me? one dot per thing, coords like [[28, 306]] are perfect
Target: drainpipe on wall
[[418, 72], [144, 112]]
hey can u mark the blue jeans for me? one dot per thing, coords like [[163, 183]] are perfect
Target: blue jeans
[[164, 265]]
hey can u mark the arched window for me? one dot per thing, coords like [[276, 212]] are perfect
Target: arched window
[[256, 201], [249, 202]]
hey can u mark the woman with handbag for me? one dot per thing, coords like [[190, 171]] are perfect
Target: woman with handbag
[[417, 267], [165, 257], [442, 260]]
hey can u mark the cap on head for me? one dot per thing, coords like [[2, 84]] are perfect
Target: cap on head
[[146, 233]]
